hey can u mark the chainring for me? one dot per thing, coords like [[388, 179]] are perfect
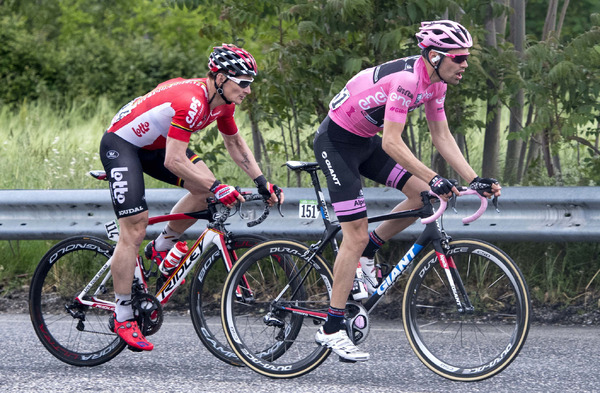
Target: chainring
[[148, 313]]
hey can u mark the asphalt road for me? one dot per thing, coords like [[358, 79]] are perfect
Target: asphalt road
[[554, 359]]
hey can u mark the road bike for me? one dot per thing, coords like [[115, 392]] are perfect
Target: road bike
[[71, 299], [465, 307]]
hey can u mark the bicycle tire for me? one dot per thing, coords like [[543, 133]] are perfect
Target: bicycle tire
[[264, 334], [205, 296], [467, 346], [61, 275]]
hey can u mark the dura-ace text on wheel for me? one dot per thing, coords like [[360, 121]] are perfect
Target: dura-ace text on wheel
[[74, 333], [205, 296], [274, 300], [467, 344]]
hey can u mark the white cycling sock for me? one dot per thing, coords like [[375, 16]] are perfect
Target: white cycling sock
[[167, 239], [123, 309]]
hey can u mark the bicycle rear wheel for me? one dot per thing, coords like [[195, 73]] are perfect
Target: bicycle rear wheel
[[271, 321], [205, 296], [469, 345], [74, 333]]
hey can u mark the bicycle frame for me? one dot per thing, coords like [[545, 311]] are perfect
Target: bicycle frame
[[432, 234], [211, 235]]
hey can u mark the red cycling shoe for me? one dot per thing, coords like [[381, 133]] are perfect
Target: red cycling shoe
[[131, 334], [157, 256], [153, 255]]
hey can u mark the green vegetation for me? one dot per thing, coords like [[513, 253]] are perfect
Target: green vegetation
[[65, 51]]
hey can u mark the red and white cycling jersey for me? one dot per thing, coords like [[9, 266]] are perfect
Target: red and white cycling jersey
[[175, 108], [387, 92]]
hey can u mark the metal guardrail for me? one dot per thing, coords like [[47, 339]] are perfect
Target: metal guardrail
[[537, 214]]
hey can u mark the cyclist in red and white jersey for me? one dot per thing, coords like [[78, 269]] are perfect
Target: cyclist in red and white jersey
[[347, 146], [151, 135]]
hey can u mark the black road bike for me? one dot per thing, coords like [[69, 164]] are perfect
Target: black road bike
[[465, 308]]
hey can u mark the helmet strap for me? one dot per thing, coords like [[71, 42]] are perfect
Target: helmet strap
[[435, 66], [220, 91]]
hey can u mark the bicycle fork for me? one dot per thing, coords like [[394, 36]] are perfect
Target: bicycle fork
[[457, 288]]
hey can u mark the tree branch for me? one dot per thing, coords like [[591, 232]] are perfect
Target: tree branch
[[584, 142]]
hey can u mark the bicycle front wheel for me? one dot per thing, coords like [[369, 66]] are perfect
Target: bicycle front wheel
[[468, 344], [274, 298], [74, 333], [205, 296]]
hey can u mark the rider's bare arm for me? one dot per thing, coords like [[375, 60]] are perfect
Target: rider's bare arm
[[197, 177], [241, 154], [445, 143], [397, 149]]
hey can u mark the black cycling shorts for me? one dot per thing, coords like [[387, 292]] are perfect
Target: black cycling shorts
[[125, 165], [344, 157]]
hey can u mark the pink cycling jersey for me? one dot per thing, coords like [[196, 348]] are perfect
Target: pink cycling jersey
[[387, 92], [175, 108]]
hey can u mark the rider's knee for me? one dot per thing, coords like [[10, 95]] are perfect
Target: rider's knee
[[358, 239], [413, 197], [133, 230]]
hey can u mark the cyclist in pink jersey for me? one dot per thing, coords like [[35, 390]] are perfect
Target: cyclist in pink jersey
[[151, 135], [347, 146]]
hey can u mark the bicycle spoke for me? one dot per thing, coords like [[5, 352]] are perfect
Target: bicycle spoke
[[205, 295], [467, 344], [74, 333], [274, 334]]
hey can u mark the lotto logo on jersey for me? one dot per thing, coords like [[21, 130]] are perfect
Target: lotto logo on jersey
[[119, 186], [195, 107], [141, 129]]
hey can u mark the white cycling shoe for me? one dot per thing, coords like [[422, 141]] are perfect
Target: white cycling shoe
[[369, 274], [341, 344]]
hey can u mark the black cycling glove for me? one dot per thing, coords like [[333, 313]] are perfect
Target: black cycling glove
[[265, 188], [440, 185], [482, 185]]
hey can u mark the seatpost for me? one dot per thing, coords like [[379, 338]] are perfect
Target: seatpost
[[329, 228], [314, 176]]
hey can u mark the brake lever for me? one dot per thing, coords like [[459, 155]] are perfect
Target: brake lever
[[278, 194], [453, 198], [495, 202], [453, 203]]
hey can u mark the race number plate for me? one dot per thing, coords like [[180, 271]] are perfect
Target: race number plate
[[308, 209], [112, 230]]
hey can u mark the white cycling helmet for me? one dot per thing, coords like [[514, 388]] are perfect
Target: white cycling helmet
[[444, 35]]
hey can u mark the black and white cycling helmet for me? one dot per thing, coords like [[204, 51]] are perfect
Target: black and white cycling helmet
[[235, 61]]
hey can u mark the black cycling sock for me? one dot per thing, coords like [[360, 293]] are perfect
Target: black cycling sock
[[335, 320], [375, 243]]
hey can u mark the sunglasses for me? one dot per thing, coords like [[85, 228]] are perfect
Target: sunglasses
[[243, 83], [458, 59]]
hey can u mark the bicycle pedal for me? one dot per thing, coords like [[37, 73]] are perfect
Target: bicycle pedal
[[343, 360]]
